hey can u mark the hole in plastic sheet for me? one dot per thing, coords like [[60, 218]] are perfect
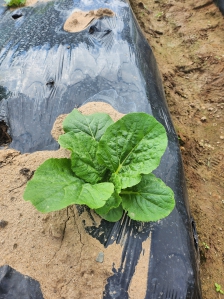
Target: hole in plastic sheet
[[50, 83], [92, 29], [17, 15], [5, 138]]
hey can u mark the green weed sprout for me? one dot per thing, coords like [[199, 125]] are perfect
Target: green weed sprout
[[206, 245], [218, 288]]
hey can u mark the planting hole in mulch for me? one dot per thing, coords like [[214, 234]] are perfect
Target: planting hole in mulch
[[5, 138], [17, 15]]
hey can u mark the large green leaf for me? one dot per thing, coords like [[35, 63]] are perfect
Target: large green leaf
[[150, 200], [113, 202], [93, 125], [84, 162], [124, 180], [133, 145], [54, 187], [112, 210], [113, 215]]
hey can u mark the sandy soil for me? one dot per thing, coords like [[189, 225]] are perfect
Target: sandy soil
[[33, 2], [80, 20], [187, 40]]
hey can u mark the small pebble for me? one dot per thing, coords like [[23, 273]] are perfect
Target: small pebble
[[221, 137], [55, 231], [100, 257], [3, 223], [203, 118]]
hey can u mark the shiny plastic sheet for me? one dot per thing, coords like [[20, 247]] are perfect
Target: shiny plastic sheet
[[45, 71], [15, 285]]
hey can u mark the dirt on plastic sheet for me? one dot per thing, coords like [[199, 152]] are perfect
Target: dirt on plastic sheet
[[52, 248], [138, 284], [33, 2], [79, 20], [187, 40]]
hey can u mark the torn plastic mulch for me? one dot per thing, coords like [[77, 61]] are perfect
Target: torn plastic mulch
[[46, 71]]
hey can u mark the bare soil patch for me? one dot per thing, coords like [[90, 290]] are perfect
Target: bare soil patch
[[80, 20], [187, 40]]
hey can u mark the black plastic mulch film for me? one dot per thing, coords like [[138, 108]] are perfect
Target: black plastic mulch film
[[220, 4], [45, 72], [14, 285]]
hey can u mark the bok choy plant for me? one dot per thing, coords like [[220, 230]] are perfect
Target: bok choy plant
[[110, 169]]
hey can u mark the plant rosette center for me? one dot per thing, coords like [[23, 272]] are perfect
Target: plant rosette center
[[110, 169]]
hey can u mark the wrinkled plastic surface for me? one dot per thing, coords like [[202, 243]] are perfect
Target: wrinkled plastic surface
[[3, 8], [14, 285], [46, 71], [220, 4]]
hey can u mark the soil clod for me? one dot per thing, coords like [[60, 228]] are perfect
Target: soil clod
[[100, 257], [3, 223]]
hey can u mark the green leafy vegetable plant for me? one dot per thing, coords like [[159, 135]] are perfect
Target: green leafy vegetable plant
[[15, 2], [110, 169]]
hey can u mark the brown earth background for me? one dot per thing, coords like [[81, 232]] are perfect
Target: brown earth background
[[187, 38]]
